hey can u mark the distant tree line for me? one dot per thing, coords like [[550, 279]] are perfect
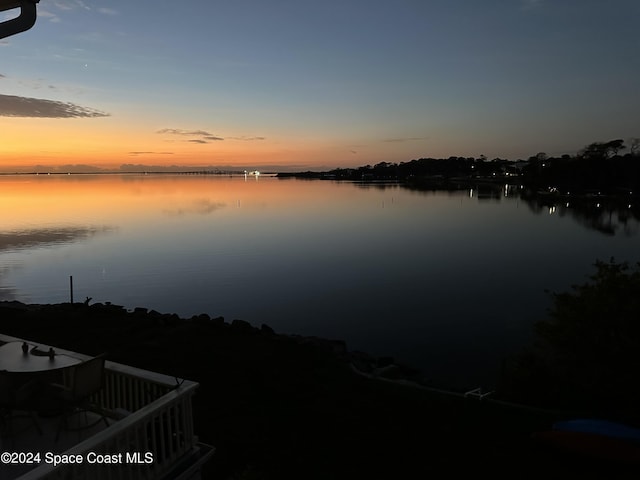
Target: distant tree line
[[600, 166]]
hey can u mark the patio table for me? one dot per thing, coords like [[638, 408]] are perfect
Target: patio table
[[14, 359]]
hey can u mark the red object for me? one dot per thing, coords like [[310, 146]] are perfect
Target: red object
[[591, 444]]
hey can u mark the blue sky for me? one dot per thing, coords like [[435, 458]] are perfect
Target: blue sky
[[333, 83]]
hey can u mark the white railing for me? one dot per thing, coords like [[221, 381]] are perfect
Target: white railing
[[152, 433]]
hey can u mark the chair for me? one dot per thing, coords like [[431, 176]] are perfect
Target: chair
[[19, 397], [85, 380]]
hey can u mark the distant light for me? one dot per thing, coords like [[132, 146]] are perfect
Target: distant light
[[552, 210], [597, 205], [567, 205]]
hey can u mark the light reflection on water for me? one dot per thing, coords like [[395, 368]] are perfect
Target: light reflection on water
[[447, 281]]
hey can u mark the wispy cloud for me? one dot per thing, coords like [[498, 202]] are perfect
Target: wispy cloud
[[13, 106], [52, 17], [179, 131], [247, 139], [40, 84], [71, 5], [135, 154], [205, 136], [404, 139], [52, 10]]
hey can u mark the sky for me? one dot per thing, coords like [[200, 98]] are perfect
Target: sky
[[299, 84]]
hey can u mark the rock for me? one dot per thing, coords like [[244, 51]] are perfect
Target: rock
[[267, 329], [392, 372], [241, 325], [385, 361], [362, 365]]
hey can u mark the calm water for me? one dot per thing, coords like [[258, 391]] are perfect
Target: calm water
[[447, 281]]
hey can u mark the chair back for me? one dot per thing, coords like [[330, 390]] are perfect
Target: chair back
[[5, 388], [88, 377]]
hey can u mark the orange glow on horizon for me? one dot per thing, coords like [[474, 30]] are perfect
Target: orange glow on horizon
[[104, 143], [110, 142]]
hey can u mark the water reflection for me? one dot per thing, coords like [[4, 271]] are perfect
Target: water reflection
[[45, 237], [607, 215], [202, 206], [444, 277]]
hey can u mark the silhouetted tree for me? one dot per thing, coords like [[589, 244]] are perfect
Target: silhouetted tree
[[541, 156], [588, 350], [603, 150]]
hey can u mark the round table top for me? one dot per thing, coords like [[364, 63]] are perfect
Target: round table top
[[13, 359]]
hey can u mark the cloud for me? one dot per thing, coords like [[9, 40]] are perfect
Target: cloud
[[12, 106], [71, 4], [50, 15], [248, 139], [50, 11], [150, 153], [107, 11], [39, 84], [178, 131], [2, 76], [406, 139], [205, 137]]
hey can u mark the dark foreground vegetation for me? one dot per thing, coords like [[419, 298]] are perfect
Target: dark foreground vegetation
[[278, 406], [587, 353]]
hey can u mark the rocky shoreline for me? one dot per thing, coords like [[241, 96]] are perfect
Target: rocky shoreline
[[383, 366], [286, 406]]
